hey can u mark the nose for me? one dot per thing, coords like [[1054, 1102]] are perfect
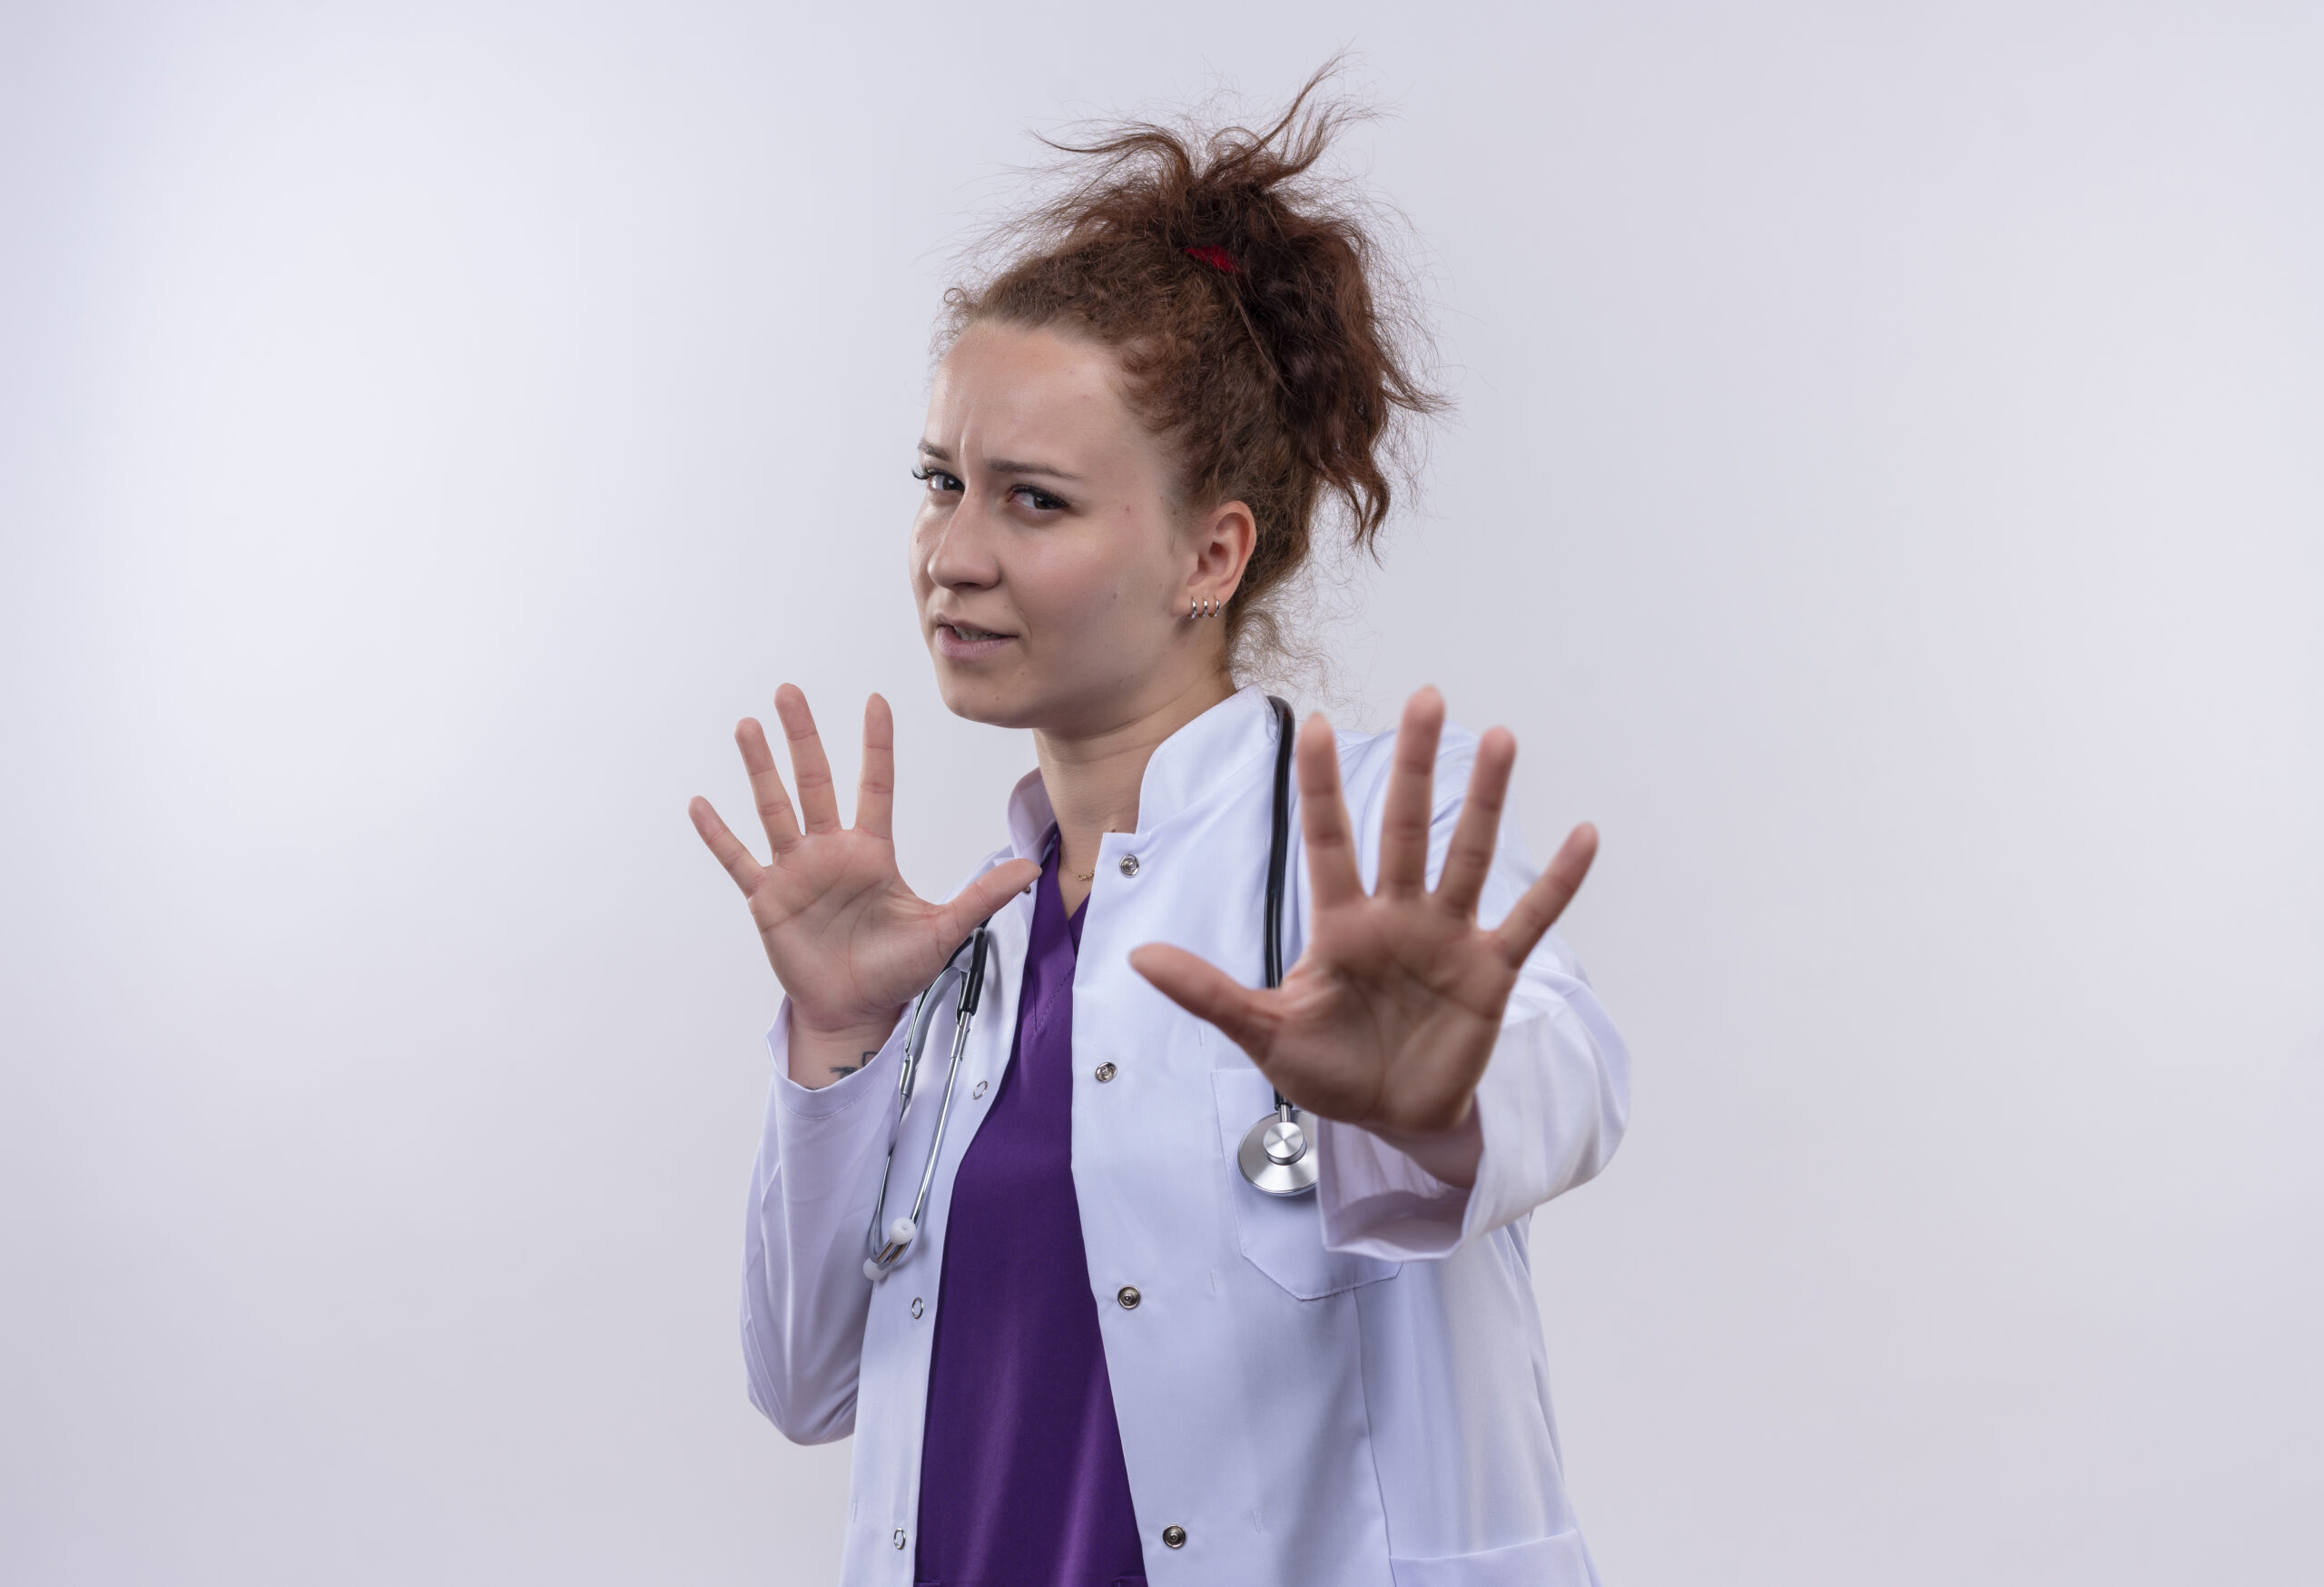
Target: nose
[[958, 554]]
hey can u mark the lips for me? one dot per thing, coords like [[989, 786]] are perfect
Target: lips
[[958, 641]]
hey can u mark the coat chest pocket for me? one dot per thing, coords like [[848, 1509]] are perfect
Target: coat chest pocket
[[1281, 1235]]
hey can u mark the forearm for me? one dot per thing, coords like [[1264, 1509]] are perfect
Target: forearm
[[803, 1292]]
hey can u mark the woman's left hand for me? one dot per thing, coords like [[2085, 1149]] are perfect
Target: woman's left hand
[[1389, 1018]]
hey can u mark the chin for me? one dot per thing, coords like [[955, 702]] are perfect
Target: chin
[[976, 696]]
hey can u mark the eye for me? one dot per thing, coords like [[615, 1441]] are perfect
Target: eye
[[1040, 500], [939, 482]]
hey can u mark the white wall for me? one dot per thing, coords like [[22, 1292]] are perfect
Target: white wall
[[1885, 497]]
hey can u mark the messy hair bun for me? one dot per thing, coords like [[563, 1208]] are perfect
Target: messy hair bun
[[1244, 295]]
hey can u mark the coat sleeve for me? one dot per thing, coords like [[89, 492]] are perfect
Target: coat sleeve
[[1553, 1101], [804, 1295]]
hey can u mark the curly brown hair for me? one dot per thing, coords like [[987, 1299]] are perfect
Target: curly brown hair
[[1252, 313]]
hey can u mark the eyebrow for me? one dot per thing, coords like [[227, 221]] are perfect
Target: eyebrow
[[998, 464]]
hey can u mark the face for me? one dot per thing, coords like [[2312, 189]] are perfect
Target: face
[[1050, 564]]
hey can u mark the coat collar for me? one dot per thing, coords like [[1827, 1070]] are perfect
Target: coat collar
[[1208, 753]]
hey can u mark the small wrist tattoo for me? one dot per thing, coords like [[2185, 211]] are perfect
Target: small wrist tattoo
[[849, 1068]]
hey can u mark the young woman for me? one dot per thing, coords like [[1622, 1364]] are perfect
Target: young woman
[[1109, 1348]]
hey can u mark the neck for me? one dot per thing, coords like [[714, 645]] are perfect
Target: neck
[[1093, 778]]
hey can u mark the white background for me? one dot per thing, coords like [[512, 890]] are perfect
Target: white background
[[1885, 496]]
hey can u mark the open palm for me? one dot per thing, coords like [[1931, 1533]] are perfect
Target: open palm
[[1389, 1018], [849, 940]]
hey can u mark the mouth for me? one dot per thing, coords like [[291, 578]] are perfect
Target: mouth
[[966, 642]]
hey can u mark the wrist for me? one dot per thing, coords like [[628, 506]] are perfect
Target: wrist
[[875, 1028], [820, 1057], [1450, 1155]]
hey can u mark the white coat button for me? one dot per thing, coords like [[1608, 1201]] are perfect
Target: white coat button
[[1130, 1297], [1106, 1071], [978, 1092], [1174, 1537], [899, 1537], [916, 1307], [1130, 865]]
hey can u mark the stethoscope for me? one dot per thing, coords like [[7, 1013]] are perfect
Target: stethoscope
[[1276, 1155]]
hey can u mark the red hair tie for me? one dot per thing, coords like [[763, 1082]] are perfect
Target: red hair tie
[[1218, 259]]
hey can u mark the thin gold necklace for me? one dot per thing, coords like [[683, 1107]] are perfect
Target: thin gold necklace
[[1091, 873]]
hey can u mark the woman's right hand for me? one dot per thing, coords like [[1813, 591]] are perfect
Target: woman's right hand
[[850, 942]]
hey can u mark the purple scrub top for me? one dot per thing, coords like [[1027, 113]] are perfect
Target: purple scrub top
[[1021, 1478]]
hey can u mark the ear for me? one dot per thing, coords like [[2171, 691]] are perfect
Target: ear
[[1223, 540]]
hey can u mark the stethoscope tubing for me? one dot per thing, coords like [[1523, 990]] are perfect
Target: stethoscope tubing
[[886, 1251], [1286, 1174], [1278, 849]]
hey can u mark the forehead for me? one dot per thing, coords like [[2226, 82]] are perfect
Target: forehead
[[1001, 386]]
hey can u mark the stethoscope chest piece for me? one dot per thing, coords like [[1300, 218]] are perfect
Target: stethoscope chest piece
[[1277, 1154]]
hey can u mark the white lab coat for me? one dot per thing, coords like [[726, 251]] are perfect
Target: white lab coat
[[1345, 1388]]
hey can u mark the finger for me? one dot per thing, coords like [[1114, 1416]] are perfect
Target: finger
[[1412, 796], [875, 786], [818, 804], [1546, 900], [1474, 835], [1241, 1014], [767, 785], [728, 848], [1330, 842], [981, 899]]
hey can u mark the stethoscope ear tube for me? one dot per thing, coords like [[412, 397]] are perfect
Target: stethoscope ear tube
[[1278, 843], [972, 984]]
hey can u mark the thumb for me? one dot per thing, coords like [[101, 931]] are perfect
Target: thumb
[[983, 897], [1243, 1016]]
